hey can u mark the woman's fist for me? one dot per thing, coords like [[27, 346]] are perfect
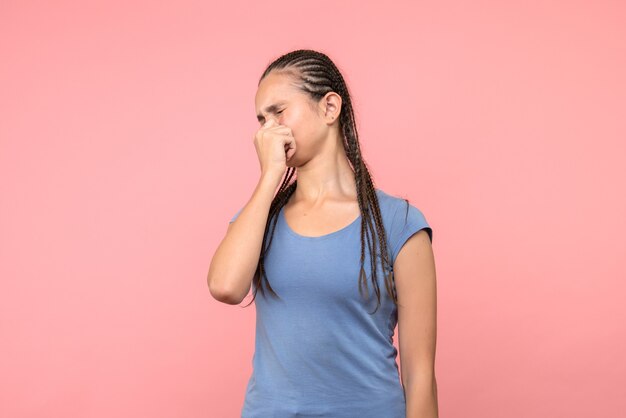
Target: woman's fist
[[275, 145]]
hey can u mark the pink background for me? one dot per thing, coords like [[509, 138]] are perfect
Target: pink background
[[126, 146]]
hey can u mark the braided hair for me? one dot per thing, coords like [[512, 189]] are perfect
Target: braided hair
[[317, 75]]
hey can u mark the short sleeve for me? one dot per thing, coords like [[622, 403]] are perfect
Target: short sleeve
[[407, 221], [235, 217]]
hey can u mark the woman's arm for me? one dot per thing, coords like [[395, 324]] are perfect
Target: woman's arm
[[416, 288], [236, 258]]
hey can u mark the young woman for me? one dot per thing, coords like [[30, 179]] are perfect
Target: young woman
[[324, 328]]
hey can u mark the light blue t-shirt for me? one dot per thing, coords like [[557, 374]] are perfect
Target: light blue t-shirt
[[318, 351]]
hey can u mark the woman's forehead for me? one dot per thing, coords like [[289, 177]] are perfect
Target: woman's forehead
[[274, 86], [269, 97]]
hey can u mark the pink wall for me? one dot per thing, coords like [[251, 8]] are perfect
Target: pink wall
[[126, 146]]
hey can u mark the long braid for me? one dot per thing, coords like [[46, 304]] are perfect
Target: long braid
[[318, 75]]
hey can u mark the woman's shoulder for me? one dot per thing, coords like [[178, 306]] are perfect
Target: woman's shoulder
[[391, 203], [397, 209]]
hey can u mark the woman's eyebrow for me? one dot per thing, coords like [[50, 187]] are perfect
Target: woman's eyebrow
[[273, 108]]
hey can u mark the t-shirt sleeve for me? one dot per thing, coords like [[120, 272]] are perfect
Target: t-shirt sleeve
[[235, 217], [404, 225]]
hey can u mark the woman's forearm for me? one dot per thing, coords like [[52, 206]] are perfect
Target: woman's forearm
[[421, 397]]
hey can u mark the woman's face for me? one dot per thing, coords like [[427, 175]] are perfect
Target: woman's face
[[277, 98]]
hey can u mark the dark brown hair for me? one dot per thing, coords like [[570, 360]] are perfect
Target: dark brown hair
[[315, 74]]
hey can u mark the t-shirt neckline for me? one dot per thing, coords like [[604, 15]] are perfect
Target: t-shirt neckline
[[320, 237]]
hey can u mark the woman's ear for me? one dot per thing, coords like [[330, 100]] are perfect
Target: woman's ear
[[332, 106]]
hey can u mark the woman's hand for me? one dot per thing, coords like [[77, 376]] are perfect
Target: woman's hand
[[275, 145]]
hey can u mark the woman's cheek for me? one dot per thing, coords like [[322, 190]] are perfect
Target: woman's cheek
[[285, 121]]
